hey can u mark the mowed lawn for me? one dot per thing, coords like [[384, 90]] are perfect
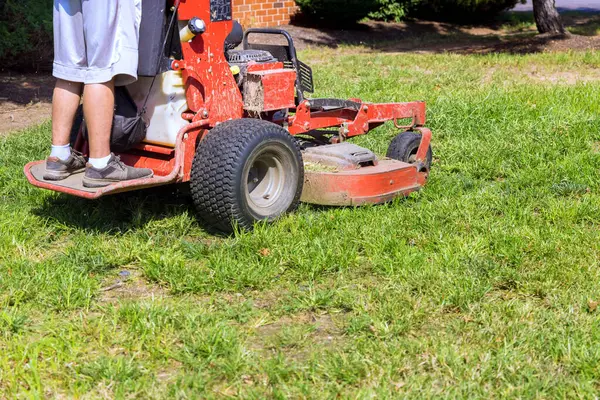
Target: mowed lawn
[[484, 285]]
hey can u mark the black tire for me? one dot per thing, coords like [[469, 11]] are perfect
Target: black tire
[[404, 148], [246, 171]]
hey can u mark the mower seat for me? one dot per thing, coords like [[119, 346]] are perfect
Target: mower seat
[[153, 29], [152, 34]]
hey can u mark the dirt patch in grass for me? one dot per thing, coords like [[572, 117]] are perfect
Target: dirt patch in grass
[[323, 323], [543, 43], [25, 89], [261, 300], [296, 334], [267, 299], [15, 116], [24, 100], [134, 287], [565, 77], [541, 74]]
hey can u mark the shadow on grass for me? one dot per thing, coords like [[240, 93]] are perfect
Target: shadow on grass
[[513, 33], [132, 211], [24, 89], [589, 26], [118, 213]]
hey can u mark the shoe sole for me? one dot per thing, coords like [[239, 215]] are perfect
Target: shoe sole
[[100, 183], [60, 175]]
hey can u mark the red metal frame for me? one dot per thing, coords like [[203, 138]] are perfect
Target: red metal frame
[[213, 97], [358, 122]]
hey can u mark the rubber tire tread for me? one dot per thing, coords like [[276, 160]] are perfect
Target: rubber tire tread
[[218, 163], [404, 144]]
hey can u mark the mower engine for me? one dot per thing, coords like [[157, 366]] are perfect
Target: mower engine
[[239, 60]]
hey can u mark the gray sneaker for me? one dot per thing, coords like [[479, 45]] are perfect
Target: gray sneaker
[[57, 169], [115, 171]]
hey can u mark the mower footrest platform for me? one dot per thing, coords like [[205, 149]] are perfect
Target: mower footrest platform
[[373, 184], [73, 185]]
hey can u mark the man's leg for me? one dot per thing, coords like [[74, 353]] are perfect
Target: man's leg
[[69, 68], [104, 167], [98, 109], [63, 162], [65, 100]]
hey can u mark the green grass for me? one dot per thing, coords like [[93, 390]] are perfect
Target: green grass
[[517, 21], [483, 285]]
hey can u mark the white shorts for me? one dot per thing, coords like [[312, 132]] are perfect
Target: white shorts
[[96, 41]]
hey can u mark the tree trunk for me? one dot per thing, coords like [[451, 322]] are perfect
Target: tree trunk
[[547, 17]]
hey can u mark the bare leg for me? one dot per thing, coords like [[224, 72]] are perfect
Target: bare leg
[[62, 162], [98, 109], [65, 101]]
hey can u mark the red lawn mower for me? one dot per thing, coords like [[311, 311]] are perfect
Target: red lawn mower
[[237, 125]]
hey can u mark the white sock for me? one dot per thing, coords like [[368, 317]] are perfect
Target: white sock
[[99, 163], [61, 152]]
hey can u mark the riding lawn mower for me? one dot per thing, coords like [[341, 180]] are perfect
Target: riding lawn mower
[[228, 112]]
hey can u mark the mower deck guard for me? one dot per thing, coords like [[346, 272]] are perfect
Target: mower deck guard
[[349, 175], [366, 185]]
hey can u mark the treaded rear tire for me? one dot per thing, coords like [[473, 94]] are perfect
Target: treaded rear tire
[[220, 175]]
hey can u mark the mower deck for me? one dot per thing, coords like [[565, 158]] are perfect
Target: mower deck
[[367, 185], [349, 175], [73, 185]]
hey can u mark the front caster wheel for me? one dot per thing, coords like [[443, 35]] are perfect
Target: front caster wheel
[[246, 171], [404, 148]]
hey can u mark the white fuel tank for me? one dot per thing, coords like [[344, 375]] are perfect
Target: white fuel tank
[[165, 105]]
